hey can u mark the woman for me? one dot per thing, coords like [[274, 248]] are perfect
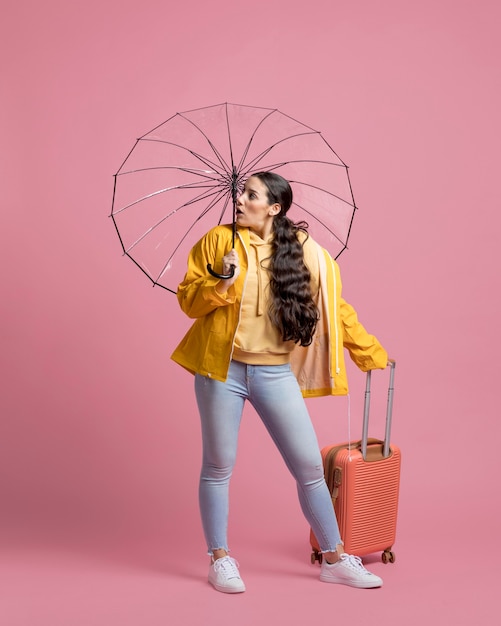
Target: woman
[[273, 333]]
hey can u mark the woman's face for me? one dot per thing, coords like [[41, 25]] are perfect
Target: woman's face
[[253, 208]]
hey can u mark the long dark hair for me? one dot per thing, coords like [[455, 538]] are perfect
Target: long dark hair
[[292, 309]]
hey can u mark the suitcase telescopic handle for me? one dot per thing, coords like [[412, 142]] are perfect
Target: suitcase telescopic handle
[[389, 411]]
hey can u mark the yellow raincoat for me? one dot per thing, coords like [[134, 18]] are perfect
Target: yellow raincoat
[[208, 345]]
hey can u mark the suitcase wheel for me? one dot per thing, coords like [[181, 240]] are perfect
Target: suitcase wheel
[[316, 556], [388, 556]]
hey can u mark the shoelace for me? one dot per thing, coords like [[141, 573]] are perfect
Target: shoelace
[[354, 563], [229, 566]]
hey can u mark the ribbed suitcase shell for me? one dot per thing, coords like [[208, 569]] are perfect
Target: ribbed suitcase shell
[[367, 502], [365, 492]]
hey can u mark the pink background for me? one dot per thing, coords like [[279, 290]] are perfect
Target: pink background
[[99, 431]]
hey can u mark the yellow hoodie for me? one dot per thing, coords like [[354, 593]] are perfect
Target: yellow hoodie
[[257, 340], [207, 347]]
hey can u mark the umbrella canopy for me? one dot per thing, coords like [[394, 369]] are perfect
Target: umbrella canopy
[[183, 177]]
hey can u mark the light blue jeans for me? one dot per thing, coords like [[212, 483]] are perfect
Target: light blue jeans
[[274, 393]]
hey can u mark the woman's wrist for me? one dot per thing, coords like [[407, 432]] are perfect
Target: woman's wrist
[[223, 285]]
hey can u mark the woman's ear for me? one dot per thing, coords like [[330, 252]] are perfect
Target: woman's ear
[[275, 209]]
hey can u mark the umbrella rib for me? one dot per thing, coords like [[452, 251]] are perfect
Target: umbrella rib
[[146, 273], [261, 156], [316, 161], [299, 182], [188, 170], [202, 214], [277, 166], [220, 158], [165, 190], [320, 222], [221, 167], [247, 147], [229, 137], [202, 196], [271, 112]]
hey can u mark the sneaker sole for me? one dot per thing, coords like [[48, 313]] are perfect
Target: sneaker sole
[[227, 589], [359, 584]]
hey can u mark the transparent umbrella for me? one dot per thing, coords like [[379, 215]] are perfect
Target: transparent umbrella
[[183, 177]]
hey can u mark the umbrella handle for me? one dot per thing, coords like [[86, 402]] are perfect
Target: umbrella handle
[[234, 193], [221, 276]]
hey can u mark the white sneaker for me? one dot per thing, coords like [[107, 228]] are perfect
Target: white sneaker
[[224, 575], [349, 571]]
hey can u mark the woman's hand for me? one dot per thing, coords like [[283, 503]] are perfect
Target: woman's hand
[[231, 259]]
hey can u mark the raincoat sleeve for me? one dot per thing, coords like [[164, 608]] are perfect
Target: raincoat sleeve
[[364, 349], [197, 293]]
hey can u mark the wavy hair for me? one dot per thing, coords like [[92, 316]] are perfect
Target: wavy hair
[[292, 309]]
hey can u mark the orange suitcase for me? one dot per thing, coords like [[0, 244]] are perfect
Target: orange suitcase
[[364, 479]]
